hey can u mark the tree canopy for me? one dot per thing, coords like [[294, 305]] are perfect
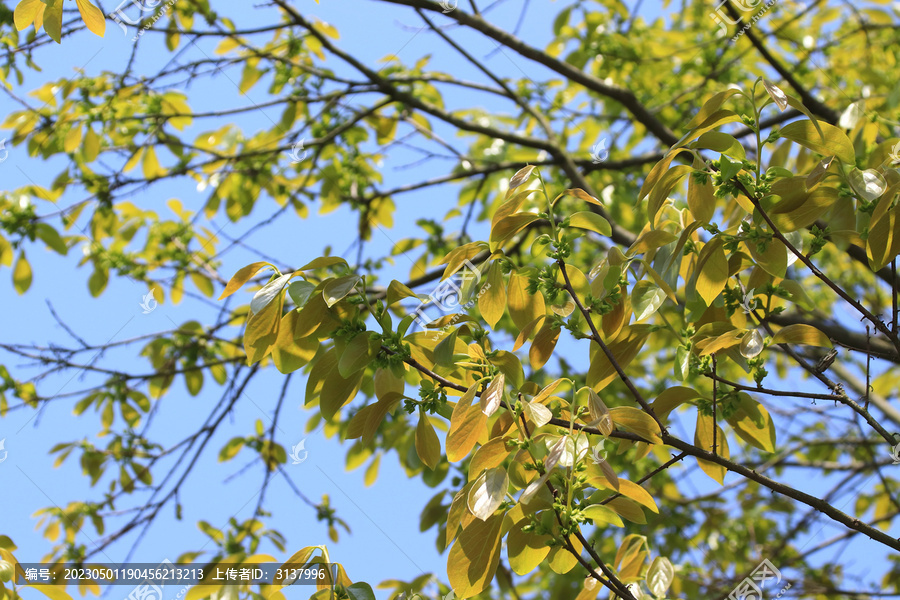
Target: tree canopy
[[636, 323]]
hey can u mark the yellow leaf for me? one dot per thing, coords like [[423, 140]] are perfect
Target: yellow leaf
[[241, 277], [73, 138], [543, 345], [711, 270], [527, 331], [488, 456], [628, 509], [801, 334], [492, 297], [510, 226], [753, 424], [583, 195], [92, 16], [261, 331], [372, 471], [523, 307], [624, 348], [25, 13], [526, 550], [636, 421], [474, 557], [151, 167], [428, 447], [663, 188], [703, 439], [466, 425]]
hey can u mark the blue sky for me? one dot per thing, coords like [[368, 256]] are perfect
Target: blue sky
[[386, 542]]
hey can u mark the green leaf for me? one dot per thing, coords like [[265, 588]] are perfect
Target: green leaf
[[300, 291], [360, 591]]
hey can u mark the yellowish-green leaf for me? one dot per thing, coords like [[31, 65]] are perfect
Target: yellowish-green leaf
[[801, 334], [636, 421], [397, 291], [22, 275], [591, 222], [527, 550], [53, 24], [428, 447], [474, 557], [830, 141], [91, 146], [601, 514]]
